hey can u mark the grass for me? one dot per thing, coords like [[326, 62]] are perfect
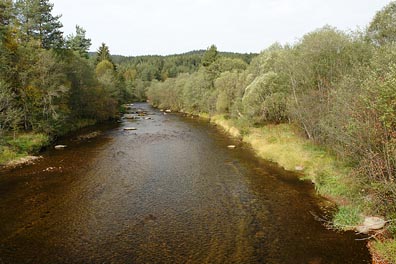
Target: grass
[[23, 144], [385, 249]]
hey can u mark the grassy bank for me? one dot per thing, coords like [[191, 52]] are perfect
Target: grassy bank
[[19, 146], [14, 148], [284, 145]]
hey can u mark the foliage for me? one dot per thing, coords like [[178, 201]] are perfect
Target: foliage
[[37, 24], [79, 42], [47, 83], [382, 29]]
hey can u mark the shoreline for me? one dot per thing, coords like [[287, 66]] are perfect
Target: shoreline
[[305, 165]]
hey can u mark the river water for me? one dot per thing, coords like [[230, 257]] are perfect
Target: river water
[[169, 192]]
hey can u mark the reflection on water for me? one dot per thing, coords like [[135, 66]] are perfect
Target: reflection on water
[[169, 192]]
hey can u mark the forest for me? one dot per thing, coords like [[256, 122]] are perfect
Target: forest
[[336, 89]]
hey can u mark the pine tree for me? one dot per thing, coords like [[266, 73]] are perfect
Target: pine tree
[[38, 24], [103, 53], [79, 42], [210, 56]]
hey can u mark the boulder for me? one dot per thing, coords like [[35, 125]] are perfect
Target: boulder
[[371, 223], [168, 111]]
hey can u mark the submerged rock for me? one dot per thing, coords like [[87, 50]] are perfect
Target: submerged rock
[[129, 116], [89, 136]]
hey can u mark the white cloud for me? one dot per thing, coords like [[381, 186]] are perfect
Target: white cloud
[[164, 27]]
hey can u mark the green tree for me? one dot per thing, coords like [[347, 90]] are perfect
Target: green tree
[[382, 29], [103, 53], [10, 115], [210, 56], [37, 23], [79, 42]]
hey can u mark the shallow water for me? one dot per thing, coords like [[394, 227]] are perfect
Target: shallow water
[[169, 192]]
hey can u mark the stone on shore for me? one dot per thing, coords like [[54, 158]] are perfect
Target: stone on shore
[[371, 223], [28, 160], [231, 146], [130, 128], [60, 147]]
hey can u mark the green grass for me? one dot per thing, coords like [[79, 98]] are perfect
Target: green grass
[[22, 145], [386, 250], [28, 143], [347, 217], [7, 155]]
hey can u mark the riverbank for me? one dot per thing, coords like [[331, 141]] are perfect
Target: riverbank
[[332, 177], [22, 148], [17, 150]]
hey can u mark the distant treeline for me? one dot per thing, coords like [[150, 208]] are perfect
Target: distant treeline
[[138, 72], [338, 87]]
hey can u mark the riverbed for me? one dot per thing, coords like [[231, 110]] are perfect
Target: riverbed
[[168, 192]]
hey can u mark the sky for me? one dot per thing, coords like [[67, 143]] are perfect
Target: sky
[[162, 27]]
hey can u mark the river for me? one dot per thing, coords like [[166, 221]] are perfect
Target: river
[[169, 192]]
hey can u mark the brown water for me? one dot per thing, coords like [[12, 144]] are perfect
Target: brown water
[[170, 192]]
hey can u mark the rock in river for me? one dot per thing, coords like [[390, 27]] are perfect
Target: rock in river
[[130, 128], [60, 147]]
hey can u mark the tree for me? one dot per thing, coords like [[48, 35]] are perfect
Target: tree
[[10, 115], [103, 53], [5, 17], [382, 30], [8, 44], [79, 42], [209, 56], [38, 24]]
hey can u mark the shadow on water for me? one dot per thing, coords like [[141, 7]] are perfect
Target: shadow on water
[[168, 192]]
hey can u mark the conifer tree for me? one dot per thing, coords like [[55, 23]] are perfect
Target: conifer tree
[[103, 53], [38, 24], [79, 42]]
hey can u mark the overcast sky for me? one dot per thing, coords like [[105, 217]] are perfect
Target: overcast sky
[[140, 27]]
